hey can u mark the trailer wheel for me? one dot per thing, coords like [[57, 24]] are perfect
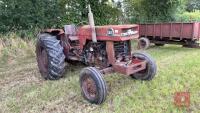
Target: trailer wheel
[[93, 86], [151, 68], [50, 57], [191, 44], [159, 44], [143, 43]]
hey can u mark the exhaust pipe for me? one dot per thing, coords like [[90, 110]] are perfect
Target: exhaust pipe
[[92, 25]]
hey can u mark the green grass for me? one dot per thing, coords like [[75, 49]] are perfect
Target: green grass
[[23, 90]]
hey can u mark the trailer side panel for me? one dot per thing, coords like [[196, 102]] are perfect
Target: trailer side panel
[[171, 33], [176, 30], [199, 31], [188, 30]]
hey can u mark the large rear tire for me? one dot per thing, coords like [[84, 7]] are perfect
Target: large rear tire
[[93, 86], [50, 57], [151, 68]]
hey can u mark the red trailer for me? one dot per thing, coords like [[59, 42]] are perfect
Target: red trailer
[[186, 34]]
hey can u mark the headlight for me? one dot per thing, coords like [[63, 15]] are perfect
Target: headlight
[[110, 32], [129, 32]]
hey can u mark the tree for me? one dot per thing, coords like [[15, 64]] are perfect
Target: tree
[[193, 5], [77, 12], [27, 14], [152, 10]]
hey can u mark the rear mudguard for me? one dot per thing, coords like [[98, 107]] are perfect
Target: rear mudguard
[[60, 34], [54, 32]]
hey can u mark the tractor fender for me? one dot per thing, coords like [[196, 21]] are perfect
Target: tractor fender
[[60, 34], [55, 32]]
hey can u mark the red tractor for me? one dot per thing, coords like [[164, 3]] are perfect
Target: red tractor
[[105, 49]]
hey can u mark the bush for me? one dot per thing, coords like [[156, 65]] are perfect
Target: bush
[[188, 16], [147, 11], [18, 15], [27, 14]]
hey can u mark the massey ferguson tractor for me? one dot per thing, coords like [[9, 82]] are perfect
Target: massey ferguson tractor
[[104, 49]]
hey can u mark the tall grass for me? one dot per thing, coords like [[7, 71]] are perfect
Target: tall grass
[[12, 46]]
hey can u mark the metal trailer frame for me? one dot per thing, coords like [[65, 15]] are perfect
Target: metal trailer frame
[[187, 34]]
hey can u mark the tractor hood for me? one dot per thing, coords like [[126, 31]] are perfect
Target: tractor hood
[[115, 26], [111, 32]]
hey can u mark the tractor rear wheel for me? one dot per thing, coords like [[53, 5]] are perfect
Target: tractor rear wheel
[[93, 86], [151, 68], [50, 57], [143, 43]]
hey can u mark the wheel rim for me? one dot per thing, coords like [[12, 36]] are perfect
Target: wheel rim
[[44, 60], [89, 87]]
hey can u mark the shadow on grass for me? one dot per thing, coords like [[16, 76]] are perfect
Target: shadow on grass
[[72, 68], [171, 47]]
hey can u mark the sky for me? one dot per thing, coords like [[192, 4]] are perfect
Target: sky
[[118, 0]]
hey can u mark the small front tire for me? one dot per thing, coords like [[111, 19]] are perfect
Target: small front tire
[[151, 68], [93, 86]]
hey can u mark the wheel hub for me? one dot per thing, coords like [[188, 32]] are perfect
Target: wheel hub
[[89, 88], [142, 43]]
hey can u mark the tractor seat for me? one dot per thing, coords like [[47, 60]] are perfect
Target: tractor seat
[[71, 31], [73, 38]]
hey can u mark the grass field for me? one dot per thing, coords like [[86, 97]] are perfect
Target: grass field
[[22, 90]]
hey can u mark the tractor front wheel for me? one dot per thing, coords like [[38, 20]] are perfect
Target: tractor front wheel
[[50, 57], [151, 68], [93, 86]]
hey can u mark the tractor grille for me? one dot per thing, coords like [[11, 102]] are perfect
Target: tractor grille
[[121, 49]]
